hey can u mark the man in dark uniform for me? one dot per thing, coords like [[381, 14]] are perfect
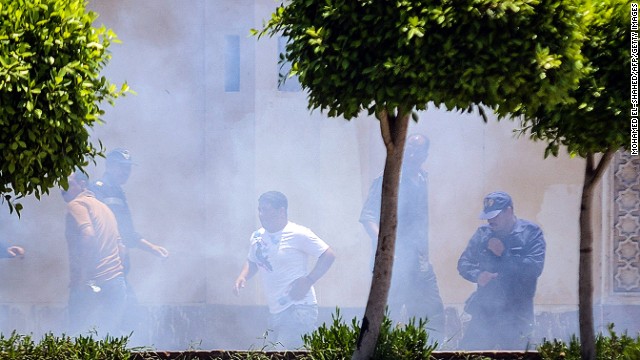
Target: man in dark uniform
[[414, 288], [504, 258], [108, 189]]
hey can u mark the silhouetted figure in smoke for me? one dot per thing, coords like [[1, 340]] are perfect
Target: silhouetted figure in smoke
[[414, 289], [281, 250], [97, 289], [505, 258], [108, 189]]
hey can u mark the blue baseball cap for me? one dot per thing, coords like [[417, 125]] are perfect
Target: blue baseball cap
[[120, 156], [494, 203]]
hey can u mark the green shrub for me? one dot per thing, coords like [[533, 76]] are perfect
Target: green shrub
[[612, 347], [338, 341], [51, 347]]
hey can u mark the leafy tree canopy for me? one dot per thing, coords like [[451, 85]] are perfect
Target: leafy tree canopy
[[597, 118], [373, 55], [50, 92]]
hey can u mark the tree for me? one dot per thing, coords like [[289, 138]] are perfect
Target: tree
[[50, 93], [389, 58], [595, 122]]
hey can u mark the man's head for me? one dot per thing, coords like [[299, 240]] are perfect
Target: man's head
[[119, 165], [77, 183], [272, 211], [416, 151], [498, 211]]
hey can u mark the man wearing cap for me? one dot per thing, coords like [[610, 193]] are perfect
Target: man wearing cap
[[504, 258], [109, 190]]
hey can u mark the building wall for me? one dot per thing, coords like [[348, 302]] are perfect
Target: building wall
[[210, 130]]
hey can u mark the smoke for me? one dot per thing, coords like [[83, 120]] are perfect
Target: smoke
[[203, 156]]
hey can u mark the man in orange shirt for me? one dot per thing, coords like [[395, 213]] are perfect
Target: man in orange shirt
[[97, 290]]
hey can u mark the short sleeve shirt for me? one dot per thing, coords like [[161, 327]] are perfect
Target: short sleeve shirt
[[283, 257]]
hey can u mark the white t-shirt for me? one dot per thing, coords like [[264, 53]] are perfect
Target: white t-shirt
[[283, 257]]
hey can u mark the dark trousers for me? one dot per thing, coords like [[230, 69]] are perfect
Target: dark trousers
[[497, 331], [416, 295], [98, 309]]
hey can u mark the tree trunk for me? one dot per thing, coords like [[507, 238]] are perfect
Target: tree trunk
[[585, 273], [592, 176], [394, 132]]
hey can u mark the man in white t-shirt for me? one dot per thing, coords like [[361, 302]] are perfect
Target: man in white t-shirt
[[280, 249]]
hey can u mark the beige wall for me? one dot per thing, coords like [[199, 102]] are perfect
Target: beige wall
[[204, 155]]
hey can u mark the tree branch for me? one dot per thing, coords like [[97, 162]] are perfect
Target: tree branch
[[387, 131], [603, 164]]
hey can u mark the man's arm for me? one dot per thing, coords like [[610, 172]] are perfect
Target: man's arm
[[248, 270], [154, 249], [528, 260], [301, 286], [322, 266], [469, 261]]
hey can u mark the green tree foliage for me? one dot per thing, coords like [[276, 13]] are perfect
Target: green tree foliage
[[50, 92], [595, 121], [390, 57], [355, 55]]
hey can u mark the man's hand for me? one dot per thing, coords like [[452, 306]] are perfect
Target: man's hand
[[240, 282], [496, 246], [485, 277], [248, 270], [300, 287], [15, 251], [160, 251], [155, 249]]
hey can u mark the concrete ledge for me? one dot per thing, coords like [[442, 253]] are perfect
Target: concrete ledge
[[293, 355]]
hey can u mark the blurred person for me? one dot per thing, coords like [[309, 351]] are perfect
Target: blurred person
[[97, 288], [414, 291], [108, 189], [504, 258], [281, 250]]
